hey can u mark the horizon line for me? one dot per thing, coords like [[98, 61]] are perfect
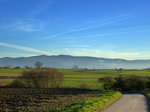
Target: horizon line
[[74, 56]]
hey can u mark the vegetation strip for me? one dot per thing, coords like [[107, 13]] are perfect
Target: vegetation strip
[[94, 104]]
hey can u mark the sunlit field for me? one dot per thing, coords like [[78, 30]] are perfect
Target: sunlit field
[[78, 78]]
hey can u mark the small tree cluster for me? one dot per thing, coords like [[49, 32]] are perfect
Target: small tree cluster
[[123, 83], [148, 84]]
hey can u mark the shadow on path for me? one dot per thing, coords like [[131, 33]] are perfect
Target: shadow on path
[[148, 104]]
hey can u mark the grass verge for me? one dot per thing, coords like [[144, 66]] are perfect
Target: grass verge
[[94, 104]]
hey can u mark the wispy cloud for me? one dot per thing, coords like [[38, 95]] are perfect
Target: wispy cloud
[[6, 54], [115, 32], [24, 48], [24, 26], [29, 25], [95, 24], [65, 44], [40, 8]]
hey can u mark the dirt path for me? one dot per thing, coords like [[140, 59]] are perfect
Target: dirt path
[[129, 103]]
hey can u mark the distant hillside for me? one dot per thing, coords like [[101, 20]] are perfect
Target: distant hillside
[[67, 61]]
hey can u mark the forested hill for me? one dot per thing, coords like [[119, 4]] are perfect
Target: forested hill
[[67, 61]]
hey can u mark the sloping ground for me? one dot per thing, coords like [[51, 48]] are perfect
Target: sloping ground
[[129, 103]]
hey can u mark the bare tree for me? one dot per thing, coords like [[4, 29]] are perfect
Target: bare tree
[[42, 78], [38, 65]]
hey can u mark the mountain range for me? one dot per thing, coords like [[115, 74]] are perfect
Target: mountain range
[[67, 61]]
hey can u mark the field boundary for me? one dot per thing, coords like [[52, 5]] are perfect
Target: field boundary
[[17, 77]]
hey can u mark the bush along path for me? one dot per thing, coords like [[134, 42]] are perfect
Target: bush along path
[[94, 104]]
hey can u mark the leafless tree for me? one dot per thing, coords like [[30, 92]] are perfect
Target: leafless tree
[[43, 78], [38, 65]]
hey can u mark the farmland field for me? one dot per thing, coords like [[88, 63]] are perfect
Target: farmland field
[[82, 73], [29, 100], [79, 78], [78, 87]]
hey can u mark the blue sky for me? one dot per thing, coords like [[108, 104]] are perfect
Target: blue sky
[[100, 28]]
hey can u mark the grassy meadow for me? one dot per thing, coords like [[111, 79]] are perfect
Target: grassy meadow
[[79, 78]]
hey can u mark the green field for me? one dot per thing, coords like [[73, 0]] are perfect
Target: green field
[[84, 73], [102, 73], [79, 78]]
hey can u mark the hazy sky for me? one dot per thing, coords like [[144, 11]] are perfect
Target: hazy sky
[[101, 28]]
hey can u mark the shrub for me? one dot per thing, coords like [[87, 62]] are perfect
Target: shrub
[[148, 84], [42, 78], [107, 82], [123, 83], [17, 84], [131, 82]]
